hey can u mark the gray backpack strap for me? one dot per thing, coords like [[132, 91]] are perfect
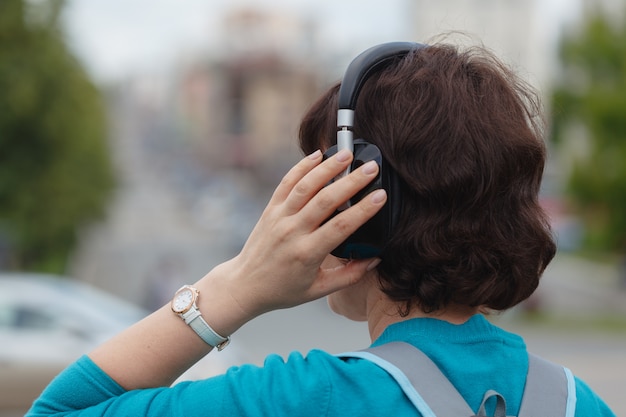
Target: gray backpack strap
[[550, 390], [500, 405], [422, 381]]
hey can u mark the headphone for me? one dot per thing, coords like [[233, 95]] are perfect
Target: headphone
[[370, 239]]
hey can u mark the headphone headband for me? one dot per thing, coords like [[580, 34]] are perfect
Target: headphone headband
[[360, 69], [366, 64]]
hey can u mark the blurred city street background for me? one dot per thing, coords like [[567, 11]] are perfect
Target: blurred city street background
[[202, 105]]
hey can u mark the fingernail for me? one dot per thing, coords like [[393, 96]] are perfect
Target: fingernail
[[378, 196], [315, 154], [343, 155], [373, 264], [370, 168]]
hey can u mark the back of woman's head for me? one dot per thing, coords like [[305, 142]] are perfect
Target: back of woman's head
[[464, 135]]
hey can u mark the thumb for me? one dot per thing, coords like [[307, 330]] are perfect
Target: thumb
[[345, 275]]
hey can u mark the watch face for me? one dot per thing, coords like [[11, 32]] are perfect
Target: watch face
[[183, 300]]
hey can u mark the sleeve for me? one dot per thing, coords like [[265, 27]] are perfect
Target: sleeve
[[298, 386], [80, 386], [588, 403]]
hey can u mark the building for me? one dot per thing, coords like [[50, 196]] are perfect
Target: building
[[242, 107], [513, 29]]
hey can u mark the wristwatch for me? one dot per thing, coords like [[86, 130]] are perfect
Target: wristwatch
[[184, 304]]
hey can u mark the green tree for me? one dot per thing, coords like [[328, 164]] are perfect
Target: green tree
[[592, 97], [55, 168]]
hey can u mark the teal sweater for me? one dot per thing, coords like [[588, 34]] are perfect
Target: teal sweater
[[475, 356]]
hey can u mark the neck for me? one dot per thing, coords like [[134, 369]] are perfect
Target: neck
[[382, 312]]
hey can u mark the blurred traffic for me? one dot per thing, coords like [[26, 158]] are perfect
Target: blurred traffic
[[48, 321]]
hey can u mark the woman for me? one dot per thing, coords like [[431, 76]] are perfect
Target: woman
[[462, 134]]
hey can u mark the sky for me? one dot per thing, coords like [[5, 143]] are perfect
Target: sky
[[116, 39]]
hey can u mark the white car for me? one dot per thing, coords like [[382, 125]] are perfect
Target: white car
[[46, 322]]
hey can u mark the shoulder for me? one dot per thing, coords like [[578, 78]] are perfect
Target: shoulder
[[319, 382], [588, 403], [316, 371]]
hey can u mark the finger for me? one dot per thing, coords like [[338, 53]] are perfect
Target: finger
[[295, 174], [338, 278], [315, 180], [339, 228], [324, 204]]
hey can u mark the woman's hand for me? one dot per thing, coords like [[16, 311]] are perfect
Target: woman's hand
[[280, 264]]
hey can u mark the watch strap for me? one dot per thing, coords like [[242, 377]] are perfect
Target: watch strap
[[191, 315], [206, 333], [193, 318]]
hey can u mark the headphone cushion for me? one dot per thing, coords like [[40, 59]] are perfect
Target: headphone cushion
[[369, 240]]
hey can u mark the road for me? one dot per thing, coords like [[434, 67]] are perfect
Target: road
[[150, 221]]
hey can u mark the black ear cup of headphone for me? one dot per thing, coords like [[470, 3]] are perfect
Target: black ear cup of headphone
[[369, 240]]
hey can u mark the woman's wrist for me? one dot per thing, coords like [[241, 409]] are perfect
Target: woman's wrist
[[220, 300]]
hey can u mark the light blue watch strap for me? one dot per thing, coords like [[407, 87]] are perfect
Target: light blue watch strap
[[193, 318], [206, 333]]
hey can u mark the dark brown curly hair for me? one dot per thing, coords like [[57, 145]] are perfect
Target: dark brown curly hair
[[465, 136]]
